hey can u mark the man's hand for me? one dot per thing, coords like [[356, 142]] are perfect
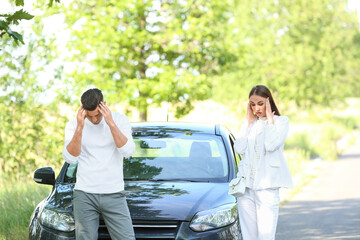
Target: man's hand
[[81, 115], [119, 138], [74, 146], [105, 111]]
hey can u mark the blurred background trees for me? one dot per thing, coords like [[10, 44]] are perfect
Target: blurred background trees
[[306, 51], [144, 53]]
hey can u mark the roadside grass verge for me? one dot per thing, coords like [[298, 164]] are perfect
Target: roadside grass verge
[[17, 202], [313, 142]]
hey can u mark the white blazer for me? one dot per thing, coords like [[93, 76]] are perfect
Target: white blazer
[[272, 169]]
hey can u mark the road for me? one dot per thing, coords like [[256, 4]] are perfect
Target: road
[[329, 206]]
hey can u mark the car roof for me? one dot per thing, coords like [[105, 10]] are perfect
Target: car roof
[[174, 127]]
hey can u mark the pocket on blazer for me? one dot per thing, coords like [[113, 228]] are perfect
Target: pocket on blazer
[[273, 160]]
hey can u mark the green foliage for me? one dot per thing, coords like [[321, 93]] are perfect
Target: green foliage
[[29, 138], [320, 137], [51, 2], [17, 16], [305, 51], [350, 122], [296, 159], [19, 2], [6, 20], [143, 53], [301, 141], [29, 133], [17, 202]]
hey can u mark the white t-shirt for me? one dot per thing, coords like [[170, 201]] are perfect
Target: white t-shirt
[[100, 163]]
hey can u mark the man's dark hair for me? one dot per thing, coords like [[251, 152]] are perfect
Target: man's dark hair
[[91, 99]]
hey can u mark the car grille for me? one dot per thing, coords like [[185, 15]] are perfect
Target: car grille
[[144, 229]]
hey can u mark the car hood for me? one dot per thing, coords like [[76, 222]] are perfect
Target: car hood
[[157, 200], [174, 200]]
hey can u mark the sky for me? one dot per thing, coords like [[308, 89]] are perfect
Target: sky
[[355, 4]]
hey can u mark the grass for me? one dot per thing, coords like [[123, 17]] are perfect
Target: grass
[[17, 202]]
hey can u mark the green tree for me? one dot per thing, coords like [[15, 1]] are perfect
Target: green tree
[[305, 51], [29, 125], [147, 52], [8, 20]]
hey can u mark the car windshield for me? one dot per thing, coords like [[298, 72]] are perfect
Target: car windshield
[[173, 157], [179, 157]]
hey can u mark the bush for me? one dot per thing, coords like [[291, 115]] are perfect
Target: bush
[[17, 202], [319, 139], [296, 159]]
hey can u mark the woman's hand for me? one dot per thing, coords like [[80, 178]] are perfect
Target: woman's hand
[[250, 114], [269, 112]]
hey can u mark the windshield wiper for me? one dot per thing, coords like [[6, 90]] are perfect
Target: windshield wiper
[[176, 180], [135, 179], [165, 180]]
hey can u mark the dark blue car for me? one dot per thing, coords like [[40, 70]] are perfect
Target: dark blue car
[[176, 185]]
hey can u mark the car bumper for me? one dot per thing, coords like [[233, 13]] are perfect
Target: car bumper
[[39, 232]]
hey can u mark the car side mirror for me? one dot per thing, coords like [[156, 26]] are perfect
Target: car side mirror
[[44, 175]]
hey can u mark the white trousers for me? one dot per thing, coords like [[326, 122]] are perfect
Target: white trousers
[[258, 213]]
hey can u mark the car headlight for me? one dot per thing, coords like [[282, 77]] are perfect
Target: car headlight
[[57, 220], [214, 218]]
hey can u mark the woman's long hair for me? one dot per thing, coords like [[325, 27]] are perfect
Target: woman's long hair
[[264, 92]]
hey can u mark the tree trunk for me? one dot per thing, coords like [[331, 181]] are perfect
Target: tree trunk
[[143, 115], [142, 69]]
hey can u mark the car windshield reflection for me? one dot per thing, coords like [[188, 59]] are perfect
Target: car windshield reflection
[[178, 157]]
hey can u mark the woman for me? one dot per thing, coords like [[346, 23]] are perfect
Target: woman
[[261, 144]]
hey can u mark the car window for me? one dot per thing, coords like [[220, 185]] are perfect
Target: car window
[[236, 156], [177, 156], [70, 175]]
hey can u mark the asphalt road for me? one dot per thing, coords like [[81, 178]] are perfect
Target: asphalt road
[[329, 206]]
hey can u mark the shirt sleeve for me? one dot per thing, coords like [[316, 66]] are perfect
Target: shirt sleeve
[[241, 142], [69, 133], [124, 126], [275, 134]]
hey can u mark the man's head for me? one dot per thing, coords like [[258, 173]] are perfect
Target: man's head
[[90, 101]]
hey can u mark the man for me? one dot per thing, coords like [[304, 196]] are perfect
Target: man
[[98, 140]]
